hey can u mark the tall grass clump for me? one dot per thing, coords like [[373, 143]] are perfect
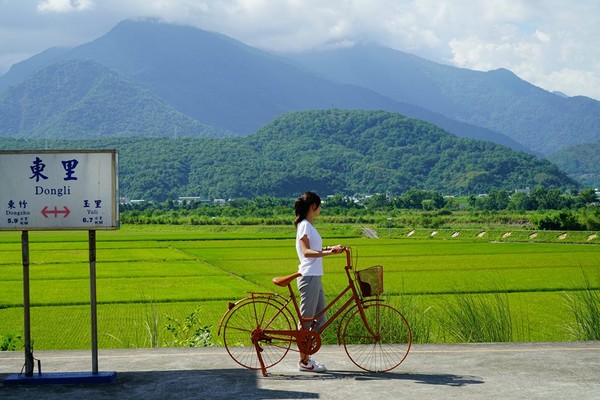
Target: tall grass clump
[[152, 325], [478, 318], [585, 307], [419, 318]]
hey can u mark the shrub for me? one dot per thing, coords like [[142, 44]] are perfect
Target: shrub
[[189, 332], [10, 342], [564, 220]]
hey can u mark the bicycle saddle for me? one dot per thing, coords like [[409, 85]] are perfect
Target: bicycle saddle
[[285, 280]]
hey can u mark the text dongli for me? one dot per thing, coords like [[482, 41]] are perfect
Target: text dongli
[[59, 192]]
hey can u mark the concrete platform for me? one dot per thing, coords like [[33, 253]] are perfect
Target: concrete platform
[[61, 378], [566, 370]]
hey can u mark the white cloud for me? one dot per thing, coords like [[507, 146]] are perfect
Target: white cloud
[[62, 6], [553, 46], [541, 36], [572, 81]]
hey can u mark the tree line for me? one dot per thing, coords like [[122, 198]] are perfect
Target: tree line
[[541, 208]]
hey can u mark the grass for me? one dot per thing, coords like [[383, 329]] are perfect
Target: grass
[[479, 318], [585, 307], [419, 314], [148, 273]]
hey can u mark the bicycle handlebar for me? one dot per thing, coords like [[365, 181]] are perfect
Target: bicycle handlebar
[[348, 258]]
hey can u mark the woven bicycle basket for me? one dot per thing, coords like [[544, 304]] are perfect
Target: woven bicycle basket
[[370, 280]]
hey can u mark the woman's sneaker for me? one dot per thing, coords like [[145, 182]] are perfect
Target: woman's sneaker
[[311, 366]]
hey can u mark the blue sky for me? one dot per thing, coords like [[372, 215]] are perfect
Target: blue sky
[[550, 43]]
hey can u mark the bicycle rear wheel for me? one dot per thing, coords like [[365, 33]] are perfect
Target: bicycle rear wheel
[[386, 347], [245, 328]]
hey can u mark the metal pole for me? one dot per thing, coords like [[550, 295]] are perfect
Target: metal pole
[[26, 304], [94, 317]]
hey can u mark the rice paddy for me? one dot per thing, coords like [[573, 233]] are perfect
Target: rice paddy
[[148, 273]]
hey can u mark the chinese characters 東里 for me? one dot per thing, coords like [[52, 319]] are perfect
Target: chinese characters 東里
[[38, 167]]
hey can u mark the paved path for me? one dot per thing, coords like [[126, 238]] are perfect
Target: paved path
[[569, 370]]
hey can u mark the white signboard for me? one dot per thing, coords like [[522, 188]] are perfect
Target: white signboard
[[52, 190]]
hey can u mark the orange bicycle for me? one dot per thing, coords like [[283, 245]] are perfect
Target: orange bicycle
[[259, 330]]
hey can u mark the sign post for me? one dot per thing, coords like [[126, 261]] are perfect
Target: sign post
[[93, 308], [58, 190], [26, 305]]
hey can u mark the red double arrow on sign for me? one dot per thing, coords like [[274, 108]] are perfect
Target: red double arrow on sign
[[56, 211]]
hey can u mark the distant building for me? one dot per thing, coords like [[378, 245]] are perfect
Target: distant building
[[192, 199], [527, 191], [195, 199], [127, 200]]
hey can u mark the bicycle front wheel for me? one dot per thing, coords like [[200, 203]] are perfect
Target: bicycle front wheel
[[244, 333], [387, 343]]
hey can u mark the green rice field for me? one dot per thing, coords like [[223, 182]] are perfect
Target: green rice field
[[146, 274]]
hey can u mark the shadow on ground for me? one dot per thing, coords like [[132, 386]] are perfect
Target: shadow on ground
[[213, 384], [427, 379], [195, 384]]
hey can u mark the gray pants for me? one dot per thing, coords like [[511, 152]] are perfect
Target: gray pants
[[312, 299]]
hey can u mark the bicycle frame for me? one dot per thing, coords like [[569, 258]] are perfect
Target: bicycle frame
[[354, 299], [307, 338]]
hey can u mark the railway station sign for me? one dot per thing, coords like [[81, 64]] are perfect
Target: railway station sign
[[58, 190]]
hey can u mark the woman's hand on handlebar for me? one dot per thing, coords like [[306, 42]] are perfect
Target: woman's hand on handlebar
[[337, 249]]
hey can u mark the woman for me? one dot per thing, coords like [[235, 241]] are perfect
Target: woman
[[309, 247]]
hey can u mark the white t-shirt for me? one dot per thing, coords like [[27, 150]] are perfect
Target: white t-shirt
[[309, 266]]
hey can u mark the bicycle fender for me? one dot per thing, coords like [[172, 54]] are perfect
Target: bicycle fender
[[274, 297], [350, 311]]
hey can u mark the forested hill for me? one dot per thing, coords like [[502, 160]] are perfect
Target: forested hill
[[379, 152], [332, 151], [76, 99], [581, 162]]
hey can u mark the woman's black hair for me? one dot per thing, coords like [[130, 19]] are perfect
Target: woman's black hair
[[303, 204]]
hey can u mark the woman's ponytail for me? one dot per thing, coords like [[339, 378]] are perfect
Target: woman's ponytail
[[303, 204]]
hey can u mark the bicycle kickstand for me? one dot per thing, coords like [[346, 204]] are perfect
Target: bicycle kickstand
[[260, 359]]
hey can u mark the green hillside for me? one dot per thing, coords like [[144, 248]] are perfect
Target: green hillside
[[333, 152], [581, 162], [82, 99]]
